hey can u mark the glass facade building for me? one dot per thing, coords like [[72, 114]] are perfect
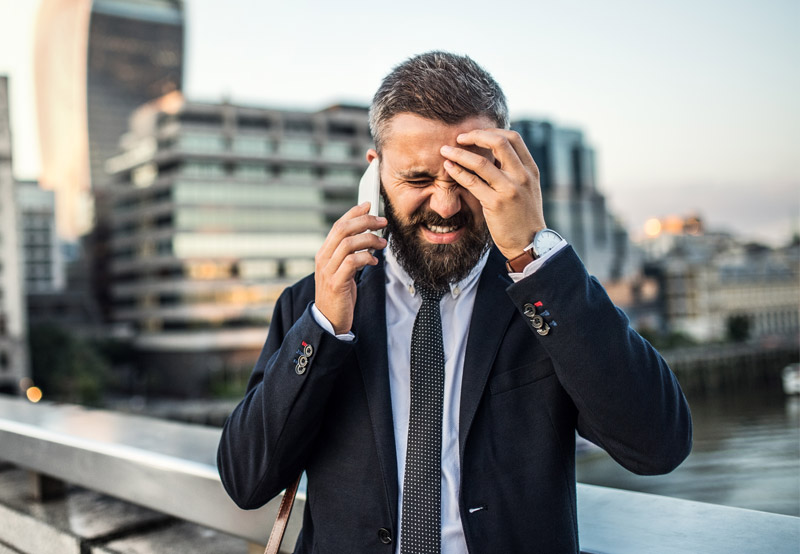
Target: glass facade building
[[216, 208], [13, 349], [573, 205], [44, 268], [95, 62]]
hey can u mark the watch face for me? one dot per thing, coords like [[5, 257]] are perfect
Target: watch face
[[545, 241]]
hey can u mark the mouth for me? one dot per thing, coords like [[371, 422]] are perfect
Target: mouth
[[442, 229], [441, 234]]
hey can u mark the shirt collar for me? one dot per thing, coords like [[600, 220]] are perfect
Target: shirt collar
[[393, 267]]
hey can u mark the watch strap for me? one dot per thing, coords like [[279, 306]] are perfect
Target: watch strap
[[518, 264]]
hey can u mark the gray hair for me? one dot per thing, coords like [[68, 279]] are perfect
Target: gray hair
[[440, 86]]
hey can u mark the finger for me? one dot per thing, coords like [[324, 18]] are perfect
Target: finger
[[481, 165], [351, 264], [519, 147], [479, 188], [507, 146], [351, 245], [356, 220]]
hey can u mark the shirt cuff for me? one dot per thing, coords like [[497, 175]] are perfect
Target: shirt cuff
[[323, 322], [536, 264]]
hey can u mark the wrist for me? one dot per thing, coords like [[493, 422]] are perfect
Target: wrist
[[543, 241], [518, 263]]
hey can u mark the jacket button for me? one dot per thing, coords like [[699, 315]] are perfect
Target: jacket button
[[537, 321], [385, 535], [529, 310]]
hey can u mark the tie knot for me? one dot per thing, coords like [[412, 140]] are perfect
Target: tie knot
[[428, 294]]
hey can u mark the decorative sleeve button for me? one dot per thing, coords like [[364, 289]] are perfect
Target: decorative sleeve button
[[303, 354], [537, 318]]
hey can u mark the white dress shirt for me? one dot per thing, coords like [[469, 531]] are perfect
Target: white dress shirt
[[402, 304]]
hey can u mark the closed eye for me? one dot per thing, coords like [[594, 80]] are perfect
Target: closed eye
[[419, 183]]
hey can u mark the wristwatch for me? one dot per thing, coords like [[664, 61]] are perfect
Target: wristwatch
[[543, 242]]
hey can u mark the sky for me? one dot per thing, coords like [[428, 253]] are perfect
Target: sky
[[691, 105]]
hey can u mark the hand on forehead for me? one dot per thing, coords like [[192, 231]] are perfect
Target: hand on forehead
[[413, 144]]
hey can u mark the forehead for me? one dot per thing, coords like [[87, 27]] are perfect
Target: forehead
[[413, 137]]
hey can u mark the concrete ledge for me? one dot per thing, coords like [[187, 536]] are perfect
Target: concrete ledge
[[166, 466], [8, 550], [625, 522], [86, 522], [181, 537], [170, 467], [65, 525], [32, 536]]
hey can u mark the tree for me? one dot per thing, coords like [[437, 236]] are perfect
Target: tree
[[738, 328], [67, 368]]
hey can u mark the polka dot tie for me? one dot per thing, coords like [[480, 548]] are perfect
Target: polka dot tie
[[422, 484]]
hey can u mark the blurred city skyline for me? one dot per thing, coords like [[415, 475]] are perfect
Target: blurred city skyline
[[690, 106]]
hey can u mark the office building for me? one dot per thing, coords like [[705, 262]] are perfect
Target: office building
[[216, 208], [44, 267], [711, 283], [95, 62], [13, 346], [56, 281], [573, 204]]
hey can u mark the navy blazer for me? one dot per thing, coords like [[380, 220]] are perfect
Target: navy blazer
[[522, 397]]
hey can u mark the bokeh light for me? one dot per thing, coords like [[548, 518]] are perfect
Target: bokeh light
[[34, 394], [652, 227]]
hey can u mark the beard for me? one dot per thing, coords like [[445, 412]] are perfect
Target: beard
[[433, 265]]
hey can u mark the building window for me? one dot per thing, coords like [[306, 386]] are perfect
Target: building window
[[299, 268], [255, 123], [252, 145], [247, 194], [599, 218], [342, 129], [337, 151], [203, 169], [301, 174], [201, 118], [211, 245], [298, 148], [201, 143], [251, 171], [251, 269], [341, 176], [299, 126], [244, 219]]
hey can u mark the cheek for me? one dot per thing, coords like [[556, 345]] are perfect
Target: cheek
[[406, 202], [474, 206]]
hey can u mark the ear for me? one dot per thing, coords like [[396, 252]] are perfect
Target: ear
[[371, 155]]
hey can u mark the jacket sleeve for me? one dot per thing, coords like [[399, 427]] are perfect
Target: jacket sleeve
[[628, 400], [268, 436]]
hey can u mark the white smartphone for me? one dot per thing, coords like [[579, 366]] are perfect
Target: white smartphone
[[369, 190]]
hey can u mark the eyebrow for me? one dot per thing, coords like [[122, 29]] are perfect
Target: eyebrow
[[415, 174]]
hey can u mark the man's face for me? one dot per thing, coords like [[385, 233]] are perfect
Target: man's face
[[437, 227]]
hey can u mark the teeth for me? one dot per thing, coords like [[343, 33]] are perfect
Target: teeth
[[440, 229]]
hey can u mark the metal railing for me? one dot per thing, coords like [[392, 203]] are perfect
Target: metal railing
[[171, 468]]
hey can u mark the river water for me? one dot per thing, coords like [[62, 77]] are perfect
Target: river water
[[746, 454]]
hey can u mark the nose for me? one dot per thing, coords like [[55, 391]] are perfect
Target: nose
[[445, 198]]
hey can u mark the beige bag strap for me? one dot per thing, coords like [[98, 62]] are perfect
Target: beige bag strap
[[285, 510]]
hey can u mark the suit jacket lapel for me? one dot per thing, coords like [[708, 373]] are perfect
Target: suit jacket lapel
[[370, 326], [490, 317]]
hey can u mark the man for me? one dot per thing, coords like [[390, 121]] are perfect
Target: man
[[431, 391]]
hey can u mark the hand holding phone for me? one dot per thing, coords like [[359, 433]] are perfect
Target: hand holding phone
[[346, 250]]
